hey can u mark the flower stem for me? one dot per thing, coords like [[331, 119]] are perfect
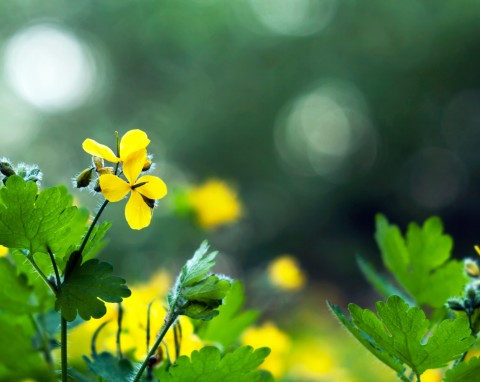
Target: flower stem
[[63, 341], [169, 320], [90, 229]]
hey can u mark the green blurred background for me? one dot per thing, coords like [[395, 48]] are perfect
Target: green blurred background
[[320, 112]]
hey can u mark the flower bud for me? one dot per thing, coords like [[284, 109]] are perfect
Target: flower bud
[[84, 178], [97, 162], [105, 170], [6, 169], [455, 305], [147, 165], [471, 267], [97, 188]]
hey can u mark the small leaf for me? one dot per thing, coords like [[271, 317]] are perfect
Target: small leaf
[[86, 288], [209, 291], [207, 365], [464, 372], [106, 366]]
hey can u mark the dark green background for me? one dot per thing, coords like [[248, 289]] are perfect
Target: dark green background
[[210, 84]]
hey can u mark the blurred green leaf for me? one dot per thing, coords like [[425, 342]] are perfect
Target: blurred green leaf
[[464, 372], [379, 282], [111, 369], [231, 321], [85, 289], [420, 263], [16, 296], [19, 359], [207, 365]]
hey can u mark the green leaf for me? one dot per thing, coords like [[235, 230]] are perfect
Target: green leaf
[[421, 262], [86, 288], [34, 222], [231, 322], [402, 332], [207, 365], [16, 296], [464, 372], [366, 340], [106, 366], [210, 290], [19, 359]]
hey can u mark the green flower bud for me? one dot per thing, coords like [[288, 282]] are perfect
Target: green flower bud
[[6, 169], [84, 178], [455, 305]]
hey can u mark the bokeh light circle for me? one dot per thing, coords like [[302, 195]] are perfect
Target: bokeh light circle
[[294, 17], [327, 132], [49, 67]]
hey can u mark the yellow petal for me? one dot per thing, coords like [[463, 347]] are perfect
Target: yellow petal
[[113, 188], [132, 141], [154, 189], [137, 213], [98, 150], [132, 167]]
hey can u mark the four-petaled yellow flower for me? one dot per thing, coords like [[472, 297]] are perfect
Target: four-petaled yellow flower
[[138, 209], [133, 140]]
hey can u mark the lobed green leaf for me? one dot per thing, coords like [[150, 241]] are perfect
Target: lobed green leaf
[[85, 289], [207, 365], [464, 372], [421, 262]]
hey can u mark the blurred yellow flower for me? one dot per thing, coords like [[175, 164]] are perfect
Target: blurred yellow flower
[[3, 251], [432, 375], [143, 191], [215, 203], [284, 272], [279, 343], [134, 324], [131, 141]]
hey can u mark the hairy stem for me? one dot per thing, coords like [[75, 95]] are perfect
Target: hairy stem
[[169, 320], [92, 226], [42, 275]]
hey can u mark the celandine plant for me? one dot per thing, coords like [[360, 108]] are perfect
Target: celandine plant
[[53, 280], [433, 321]]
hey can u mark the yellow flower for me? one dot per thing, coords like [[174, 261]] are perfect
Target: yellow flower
[[131, 141], [142, 190], [279, 343], [432, 376], [215, 203], [3, 251], [285, 273]]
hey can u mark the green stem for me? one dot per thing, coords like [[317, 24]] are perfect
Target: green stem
[[90, 229], [45, 346], [119, 331], [169, 320], [64, 348], [55, 268], [42, 275]]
